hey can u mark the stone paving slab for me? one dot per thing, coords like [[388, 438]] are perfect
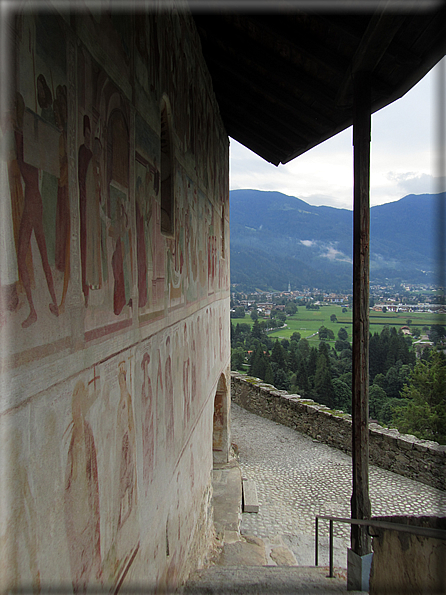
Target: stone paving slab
[[227, 501]]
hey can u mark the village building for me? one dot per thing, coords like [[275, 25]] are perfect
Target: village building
[[115, 265]]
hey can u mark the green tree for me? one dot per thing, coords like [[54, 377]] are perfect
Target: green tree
[[323, 377], [342, 395], [437, 334], [268, 378], [342, 345], [344, 309], [377, 399], [237, 358], [278, 355], [312, 362], [291, 309], [239, 313], [424, 413], [301, 377], [256, 330], [383, 308], [281, 317], [258, 363], [342, 334], [303, 348], [280, 378], [325, 333], [295, 336], [333, 318], [254, 314]]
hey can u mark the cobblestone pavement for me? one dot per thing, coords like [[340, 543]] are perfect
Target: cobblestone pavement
[[298, 478]]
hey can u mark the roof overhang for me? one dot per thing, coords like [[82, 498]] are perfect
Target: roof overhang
[[283, 76]]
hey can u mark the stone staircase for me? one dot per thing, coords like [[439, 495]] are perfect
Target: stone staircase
[[249, 565]]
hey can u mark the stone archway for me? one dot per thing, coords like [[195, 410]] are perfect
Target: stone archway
[[221, 422]]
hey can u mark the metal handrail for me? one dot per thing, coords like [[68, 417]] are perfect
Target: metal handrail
[[417, 530]]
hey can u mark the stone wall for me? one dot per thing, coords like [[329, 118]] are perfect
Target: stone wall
[[404, 454], [405, 563], [114, 297]]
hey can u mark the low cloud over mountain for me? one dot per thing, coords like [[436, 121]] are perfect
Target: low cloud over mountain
[[276, 238]]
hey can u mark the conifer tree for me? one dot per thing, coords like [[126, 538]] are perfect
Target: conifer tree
[[424, 413]]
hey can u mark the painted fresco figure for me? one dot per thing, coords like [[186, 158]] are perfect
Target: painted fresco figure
[[169, 400], [143, 215], [49, 183], [84, 157], [127, 494], [148, 424], [141, 245], [62, 256], [15, 186], [19, 536], [120, 259], [94, 187], [8, 257], [186, 375], [32, 219], [81, 499]]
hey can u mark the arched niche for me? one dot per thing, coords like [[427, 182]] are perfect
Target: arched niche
[[221, 422]]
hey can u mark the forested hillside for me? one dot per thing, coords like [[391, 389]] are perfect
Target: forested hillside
[[277, 239]]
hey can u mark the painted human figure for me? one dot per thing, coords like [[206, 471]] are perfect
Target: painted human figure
[[19, 528], [143, 213], [8, 256], [32, 219], [94, 200], [148, 424], [15, 185], [127, 494], [121, 265], [84, 157], [48, 182], [169, 400], [62, 257], [81, 498], [186, 375]]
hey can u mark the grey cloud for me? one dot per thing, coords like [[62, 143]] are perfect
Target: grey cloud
[[412, 183]]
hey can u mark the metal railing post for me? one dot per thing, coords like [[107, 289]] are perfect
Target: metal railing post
[[316, 542], [331, 548]]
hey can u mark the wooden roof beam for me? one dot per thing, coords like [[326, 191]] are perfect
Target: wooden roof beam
[[263, 129], [322, 60], [304, 112], [300, 122], [379, 34], [236, 46]]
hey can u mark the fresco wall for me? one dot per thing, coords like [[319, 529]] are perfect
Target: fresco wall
[[114, 300]]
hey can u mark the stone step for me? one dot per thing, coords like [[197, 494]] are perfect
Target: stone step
[[249, 496], [266, 580]]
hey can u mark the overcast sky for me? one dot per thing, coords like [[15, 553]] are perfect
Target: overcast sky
[[407, 155]]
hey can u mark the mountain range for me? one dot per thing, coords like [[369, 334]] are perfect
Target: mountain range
[[278, 239]]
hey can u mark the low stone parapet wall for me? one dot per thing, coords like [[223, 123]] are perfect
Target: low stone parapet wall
[[404, 454]]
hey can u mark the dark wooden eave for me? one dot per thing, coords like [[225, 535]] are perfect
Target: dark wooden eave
[[283, 78]]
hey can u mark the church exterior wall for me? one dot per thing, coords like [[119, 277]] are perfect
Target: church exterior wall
[[114, 300]]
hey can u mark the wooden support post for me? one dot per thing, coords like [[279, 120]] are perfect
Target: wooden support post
[[360, 503]]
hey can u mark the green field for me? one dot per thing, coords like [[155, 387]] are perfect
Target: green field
[[307, 322]]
